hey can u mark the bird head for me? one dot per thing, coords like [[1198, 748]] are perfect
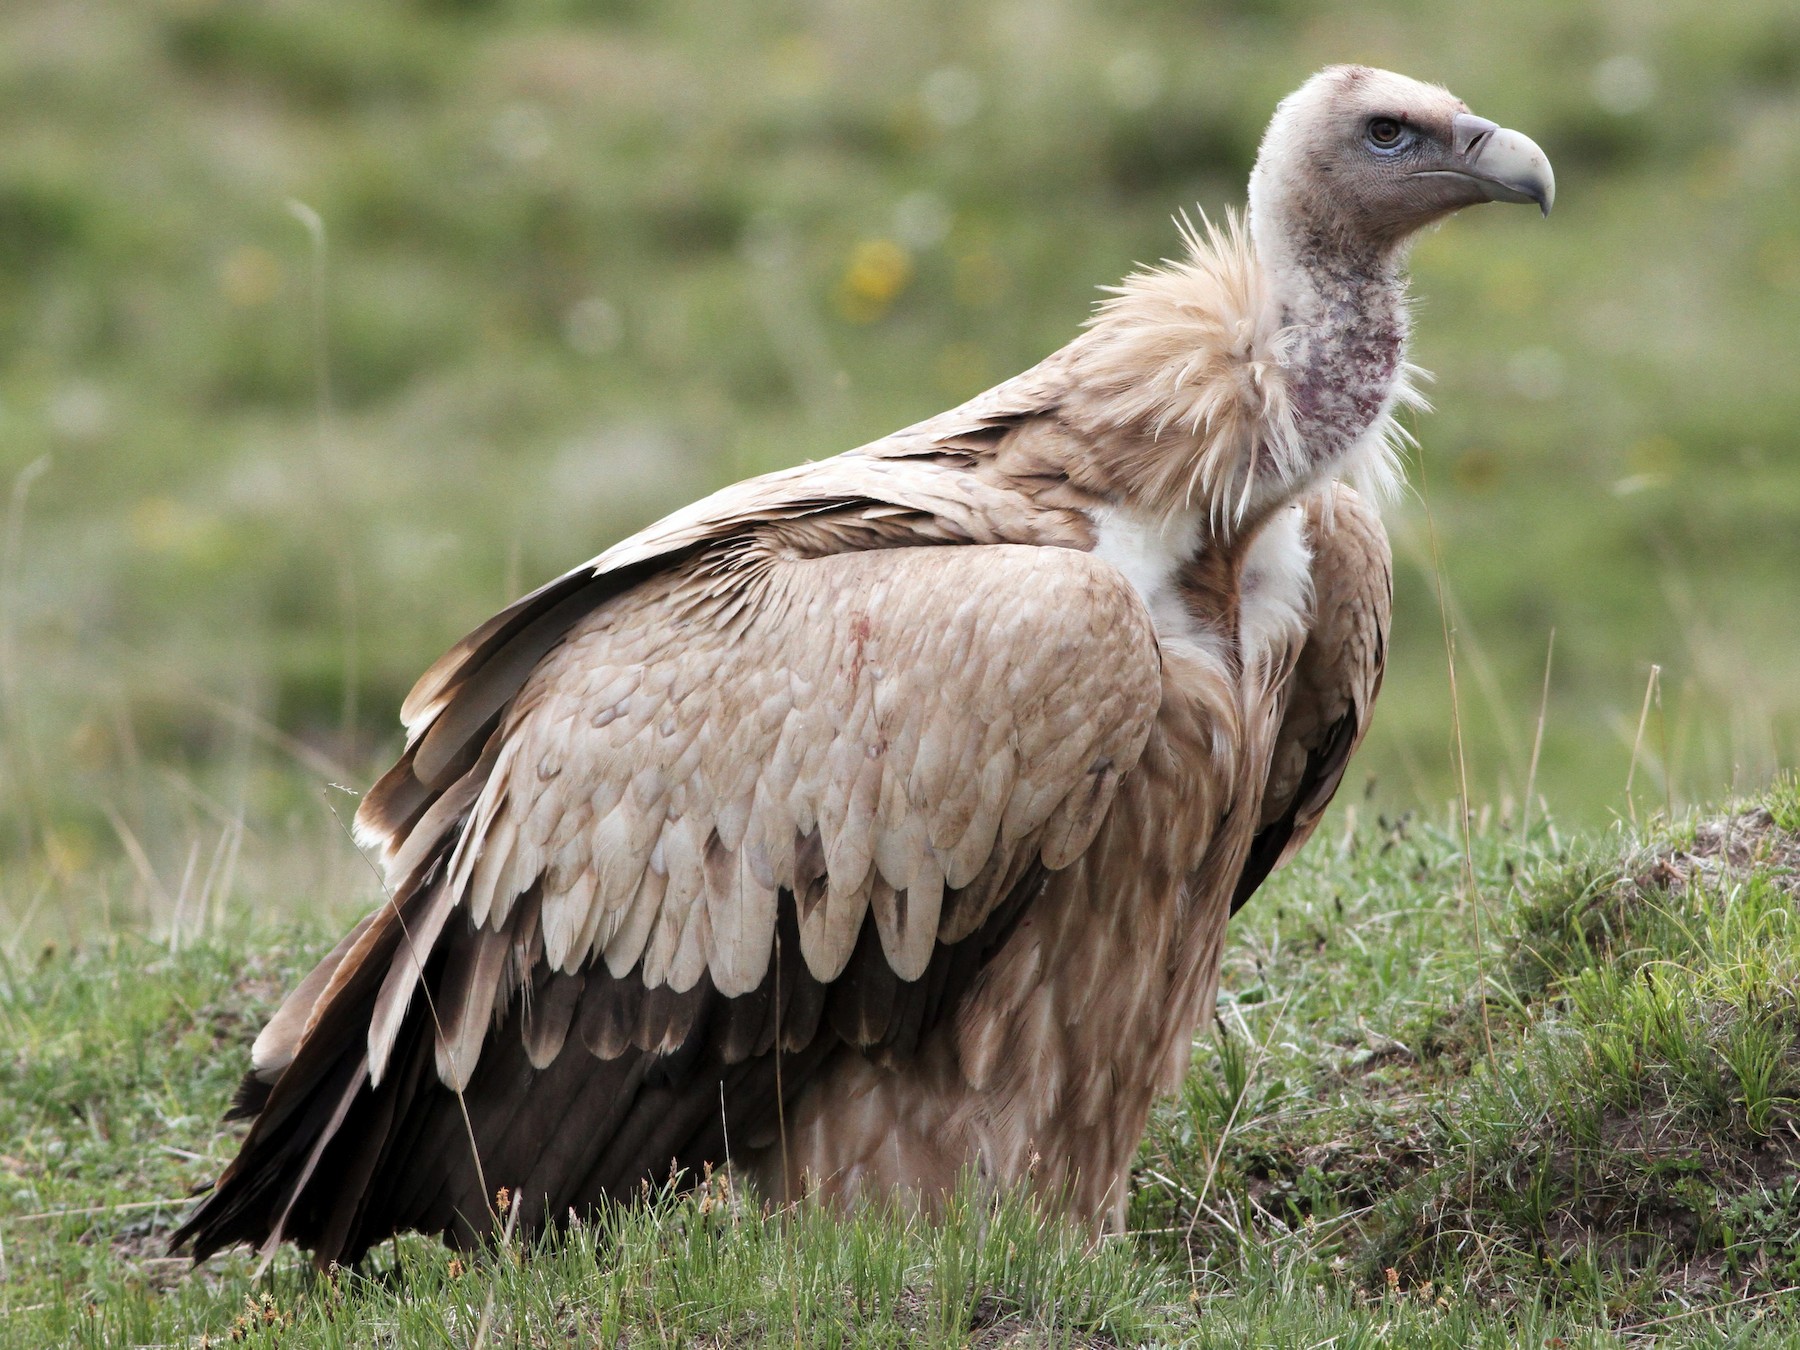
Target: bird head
[[1358, 160]]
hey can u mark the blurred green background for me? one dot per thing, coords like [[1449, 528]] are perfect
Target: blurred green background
[[326, 327]]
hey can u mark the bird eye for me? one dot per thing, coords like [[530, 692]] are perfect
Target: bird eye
[[1385, 133]]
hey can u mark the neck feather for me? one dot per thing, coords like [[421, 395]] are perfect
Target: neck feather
[[1344, 295], [1227, 383]]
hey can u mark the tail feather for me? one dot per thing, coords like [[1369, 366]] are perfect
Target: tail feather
[[336, 1161]]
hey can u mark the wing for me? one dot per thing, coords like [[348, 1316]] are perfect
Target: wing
[[754, 809], [1331, 694], [893, 491]]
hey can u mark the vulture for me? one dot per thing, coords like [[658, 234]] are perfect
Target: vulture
[[879, 820]]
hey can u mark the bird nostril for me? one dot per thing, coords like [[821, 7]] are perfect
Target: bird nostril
[[1468, 133]]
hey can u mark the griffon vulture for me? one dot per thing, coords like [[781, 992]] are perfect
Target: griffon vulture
[[880, 818]]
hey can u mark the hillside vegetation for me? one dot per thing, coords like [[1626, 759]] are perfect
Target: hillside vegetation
[[1541, 1093], [328, 326]]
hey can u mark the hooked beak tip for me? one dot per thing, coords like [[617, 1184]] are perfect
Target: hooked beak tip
[[1510, 166]]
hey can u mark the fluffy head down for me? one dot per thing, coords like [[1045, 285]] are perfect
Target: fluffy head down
[[1271, 358], [1357, 161]]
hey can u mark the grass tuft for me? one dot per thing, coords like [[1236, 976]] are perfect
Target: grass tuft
[[1345, 1161]]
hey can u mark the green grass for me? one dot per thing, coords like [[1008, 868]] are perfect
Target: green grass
[[586, 259], [1581, 1093], [1559, 1108], [582, 260]]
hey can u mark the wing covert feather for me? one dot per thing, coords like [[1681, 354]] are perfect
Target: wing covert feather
[[891, 487], [876, 733], [838, 707]]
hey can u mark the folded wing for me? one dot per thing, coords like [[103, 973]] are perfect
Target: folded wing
[[871, 733], [666, 808]]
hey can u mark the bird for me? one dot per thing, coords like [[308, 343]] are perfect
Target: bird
[[876, 822]]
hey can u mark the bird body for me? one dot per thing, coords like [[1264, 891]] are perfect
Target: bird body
[[877, 819]]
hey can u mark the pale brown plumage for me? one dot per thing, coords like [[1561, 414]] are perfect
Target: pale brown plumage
[[1327, 701], [880, 818]]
